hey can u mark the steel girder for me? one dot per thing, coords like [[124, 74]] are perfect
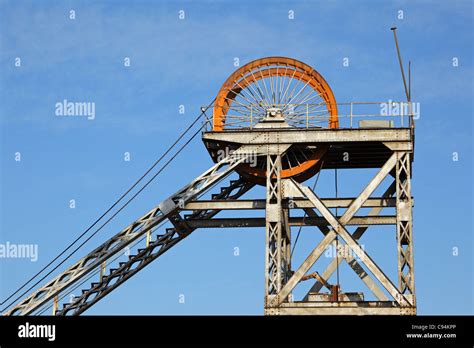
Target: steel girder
[[273, 227], [98, 258], [403, 297], [406, 275], [331, 268], [145, 256], [254, 204], [292, 221]]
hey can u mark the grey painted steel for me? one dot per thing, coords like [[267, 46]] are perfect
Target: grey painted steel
[[317, 135], [148, 254], [351, 261], [331, 268], [135, 230], [406, 275], [352, 243], [295, 221], [343, 308], [277, 238], [338, 227], [376, 124], [371, 265], [252, 204], [403, 298]]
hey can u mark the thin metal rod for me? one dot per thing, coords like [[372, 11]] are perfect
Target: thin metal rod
[[394, 29], [409, 80]]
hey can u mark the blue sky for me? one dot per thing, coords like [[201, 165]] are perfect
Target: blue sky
[[176, 62]]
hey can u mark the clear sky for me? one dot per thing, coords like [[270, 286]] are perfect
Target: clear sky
[[184, 62]]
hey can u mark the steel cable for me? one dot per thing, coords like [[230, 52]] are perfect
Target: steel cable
[[110, 208]]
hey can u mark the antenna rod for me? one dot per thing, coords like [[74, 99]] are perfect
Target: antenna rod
[[409, 80], [394, 29]]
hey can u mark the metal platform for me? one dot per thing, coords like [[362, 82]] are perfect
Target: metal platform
[[367, 148]]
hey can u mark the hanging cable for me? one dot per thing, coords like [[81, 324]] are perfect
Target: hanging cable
[[111, 207], [104, 224]]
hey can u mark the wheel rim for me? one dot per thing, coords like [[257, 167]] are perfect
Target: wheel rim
[[299, 91], [271, 82]]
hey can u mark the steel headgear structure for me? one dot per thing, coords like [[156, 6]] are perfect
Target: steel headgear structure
[[283, 113]]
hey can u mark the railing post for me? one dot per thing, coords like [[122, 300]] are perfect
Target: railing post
[[251, 117], [351, 115], [205, 120], [55, 304], [102, 270], [401, 111], [148, 238], [307, 115]]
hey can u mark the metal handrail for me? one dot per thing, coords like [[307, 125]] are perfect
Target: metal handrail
[[306, 113]]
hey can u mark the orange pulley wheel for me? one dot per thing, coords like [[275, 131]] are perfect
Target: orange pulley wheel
[[289, 86]]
